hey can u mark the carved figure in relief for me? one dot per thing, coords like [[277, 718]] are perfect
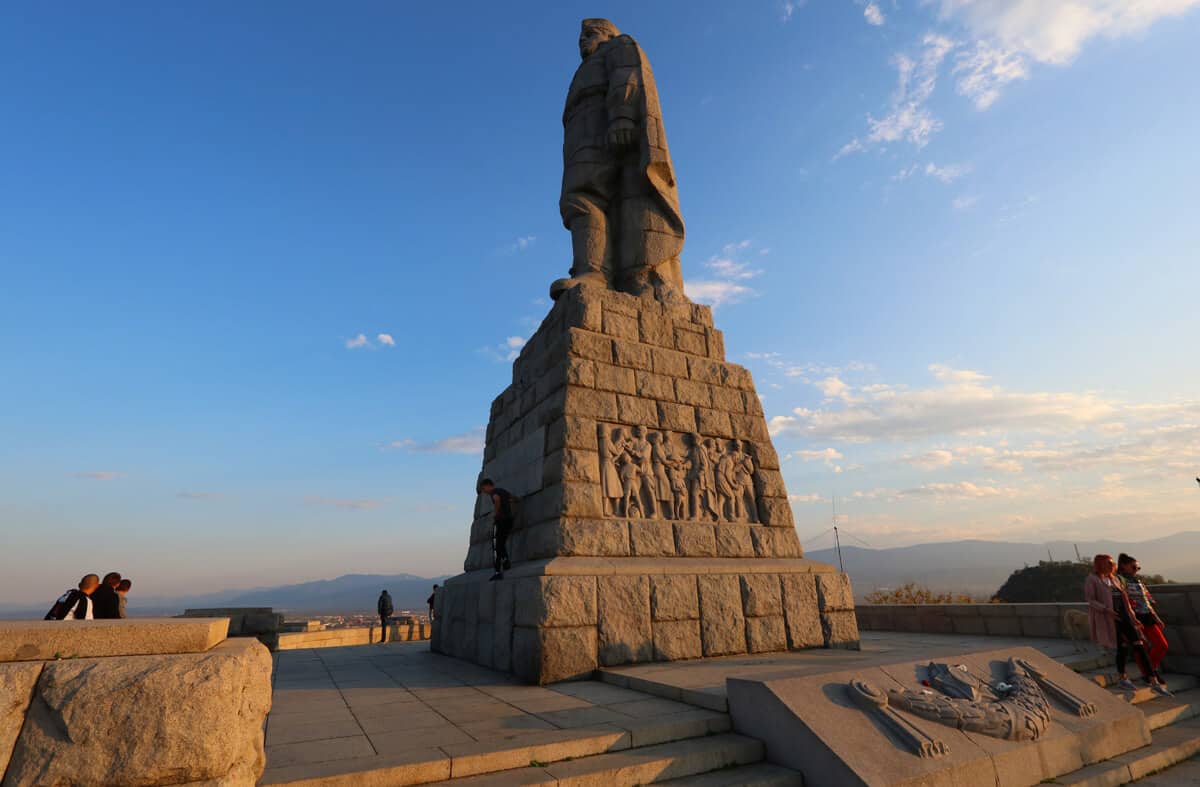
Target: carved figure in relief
[[647, 493], [700, 481], [744, 482], [631, 481], [716, 499], [726, 485], [612, 447], [677, 471], [661, 459]]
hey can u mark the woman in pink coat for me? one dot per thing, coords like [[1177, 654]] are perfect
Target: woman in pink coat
[[1112, 620], [1097, 591]]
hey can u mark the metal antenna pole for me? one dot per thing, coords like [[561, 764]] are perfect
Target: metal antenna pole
[[837, 539]]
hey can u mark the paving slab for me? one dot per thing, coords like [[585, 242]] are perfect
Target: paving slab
[[414, 713], [40, 640]]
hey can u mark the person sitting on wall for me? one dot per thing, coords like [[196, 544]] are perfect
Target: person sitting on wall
[[502, 522], [122, 591], [105, 601], [1144, 608], [76, 604]]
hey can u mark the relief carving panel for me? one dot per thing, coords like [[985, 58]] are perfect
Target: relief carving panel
[[653, 474]]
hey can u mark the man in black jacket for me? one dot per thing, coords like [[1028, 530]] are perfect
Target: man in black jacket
[[385, 609], [105, 601], [75, 604], [502, 520]]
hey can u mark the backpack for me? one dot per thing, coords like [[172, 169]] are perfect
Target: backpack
[[63, 605]]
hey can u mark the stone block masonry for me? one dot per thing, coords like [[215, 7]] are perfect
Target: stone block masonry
[[649, 505]]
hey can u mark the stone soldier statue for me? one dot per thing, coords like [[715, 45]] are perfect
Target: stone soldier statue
[[619, 198]]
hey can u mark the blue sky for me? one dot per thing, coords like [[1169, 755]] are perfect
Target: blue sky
[[955, 241]]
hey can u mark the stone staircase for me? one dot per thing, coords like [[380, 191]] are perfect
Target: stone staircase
[[656, 753], [1174, 723]]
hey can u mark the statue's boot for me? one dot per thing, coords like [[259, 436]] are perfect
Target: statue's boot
[[589, 246], [590, 279]]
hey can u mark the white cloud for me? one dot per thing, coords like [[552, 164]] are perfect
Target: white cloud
[[823, 455], [1007, 34], [507, 350], [344, 505], [717, 293], [834, 388], [100, 475], [939, 457], [1054, 31], [984, 70], [962, 404], [873, 14], [522, 243], [965, 201], [908, 118], [728, 276], [812, 498], [789, 7], [361, 342], [199, 495], [731, 269], [1004, 465], [466, 443], [827, 456], [948, 173], [958, 490]]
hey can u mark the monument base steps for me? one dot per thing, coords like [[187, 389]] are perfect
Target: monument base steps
[[699, 751]]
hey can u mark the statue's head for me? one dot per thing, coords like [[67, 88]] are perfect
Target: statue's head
[[593, 33], [639, 431]]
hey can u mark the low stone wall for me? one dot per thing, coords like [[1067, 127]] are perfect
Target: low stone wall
[[172, 719], [261, 622], [366, 635], [1179, 606], [997, 620]]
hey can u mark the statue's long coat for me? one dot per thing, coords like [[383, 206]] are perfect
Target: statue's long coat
[[620, 70]]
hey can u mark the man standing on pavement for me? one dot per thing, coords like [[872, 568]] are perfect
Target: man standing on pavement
[[385, 609], [1143, 609], [432, 600], [502, 519]]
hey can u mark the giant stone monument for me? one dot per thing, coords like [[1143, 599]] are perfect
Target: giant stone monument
[[652, 521]]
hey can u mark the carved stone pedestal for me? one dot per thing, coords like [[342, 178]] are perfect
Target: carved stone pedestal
[[652, 522]]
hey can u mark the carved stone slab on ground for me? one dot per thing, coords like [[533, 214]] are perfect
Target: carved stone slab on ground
[[813, 724]]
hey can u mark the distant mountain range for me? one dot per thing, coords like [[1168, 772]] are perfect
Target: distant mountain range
[[975, 567], [347, 593], [980, 567]]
